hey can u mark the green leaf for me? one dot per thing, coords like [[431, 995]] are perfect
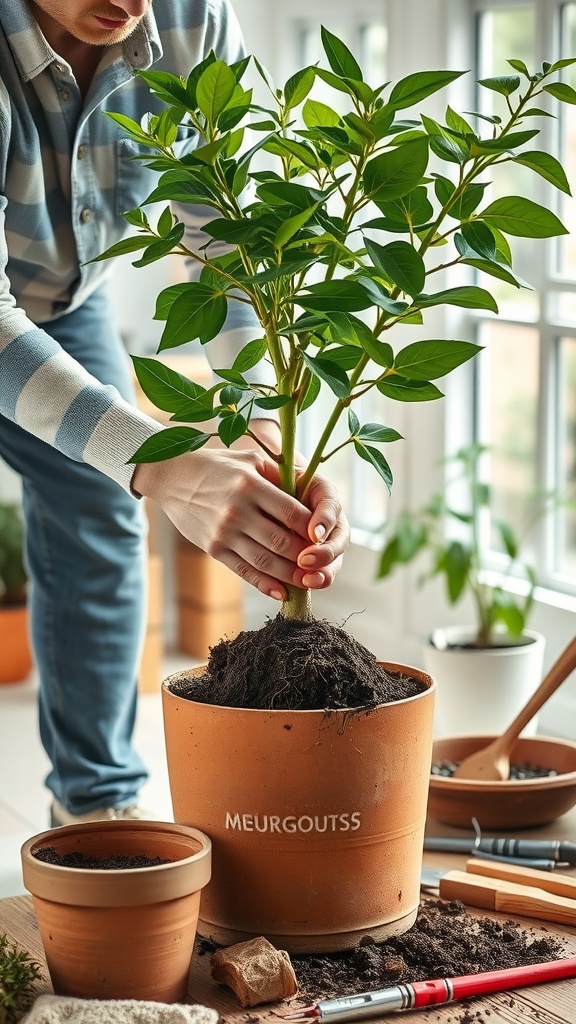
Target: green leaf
[[156, 250], [230, 428], [353, 331], [273, 402], [169, 443], [507, 536], [131, 244], [331, 373], [199, 312], [353, 422], [310, 394], [250, 355], [131, 128], [418, 86], [561, 91], [214, 89], [340, 59], [375, 458], [393, 174], [504, 84], [519, 216], [546, 165], [318, 115], [466, 296], [166, 86], [505, 142], [400, 263], [428, 360], [376, 432], [328, 296], [413, 210], [298, 86], [292, 225], [455, 563], [519, 65], [401, 389], [166, 297], [166, 388]]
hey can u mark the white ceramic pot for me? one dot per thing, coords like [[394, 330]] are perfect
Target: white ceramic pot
[[481, 690]]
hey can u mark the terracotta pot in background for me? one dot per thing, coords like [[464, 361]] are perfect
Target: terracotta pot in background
[[316, 817], [481, 690], [15, 657], [119, 934]]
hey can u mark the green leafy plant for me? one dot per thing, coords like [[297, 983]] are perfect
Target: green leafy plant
[[13, 577], [462, 560], [335, 243], [18, 972]]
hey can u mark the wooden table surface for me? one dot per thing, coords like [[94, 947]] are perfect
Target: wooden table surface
[[552, 1003]]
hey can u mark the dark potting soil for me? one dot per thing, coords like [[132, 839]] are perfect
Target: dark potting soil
[[289, 665], [445, 941], [114, 863], [518, 772]]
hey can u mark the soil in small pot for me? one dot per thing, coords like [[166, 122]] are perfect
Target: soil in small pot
[[116, 862], [292, 665]]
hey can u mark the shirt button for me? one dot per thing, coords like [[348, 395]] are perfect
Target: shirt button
[[86, 215], [82, 150], [59, 68], [64, 94]]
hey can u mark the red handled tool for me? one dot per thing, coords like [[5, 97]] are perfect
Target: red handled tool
[[416, 994]]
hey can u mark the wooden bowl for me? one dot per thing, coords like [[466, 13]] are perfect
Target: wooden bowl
[[504, 805]]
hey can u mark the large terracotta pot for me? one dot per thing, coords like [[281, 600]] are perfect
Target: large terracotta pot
[[121, 933], [316, 818], [15, 657]]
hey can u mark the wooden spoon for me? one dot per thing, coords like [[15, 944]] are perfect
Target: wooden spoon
[[493, 761]]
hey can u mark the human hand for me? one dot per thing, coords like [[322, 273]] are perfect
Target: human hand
[[229, 503]]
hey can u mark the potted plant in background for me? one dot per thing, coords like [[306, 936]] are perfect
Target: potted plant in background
[[485, 672], [315, 794], [15, 657]]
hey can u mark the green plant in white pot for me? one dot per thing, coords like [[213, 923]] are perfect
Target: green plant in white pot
[[485, 671], [338, 226]]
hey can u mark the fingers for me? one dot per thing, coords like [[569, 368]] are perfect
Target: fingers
[[320, 563]]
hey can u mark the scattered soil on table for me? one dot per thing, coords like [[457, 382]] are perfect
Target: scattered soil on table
[[113, 863], [289, 665], [444, 942]]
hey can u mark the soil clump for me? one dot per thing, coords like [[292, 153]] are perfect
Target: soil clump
[[295, 665], [113, 863]]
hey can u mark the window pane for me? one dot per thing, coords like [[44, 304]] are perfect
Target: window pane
[[510, 423], [565, 553], [509, 33]]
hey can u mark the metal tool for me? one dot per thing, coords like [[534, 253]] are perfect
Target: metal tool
[[409, 996], [512, 849], [494, 885]]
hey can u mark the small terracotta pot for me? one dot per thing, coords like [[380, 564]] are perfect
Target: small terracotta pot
[[316, 817], [119, 934], [15, 657]]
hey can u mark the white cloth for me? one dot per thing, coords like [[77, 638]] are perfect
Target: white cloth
[[60, 1009]]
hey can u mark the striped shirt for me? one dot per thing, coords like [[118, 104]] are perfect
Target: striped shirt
[[66, 176]]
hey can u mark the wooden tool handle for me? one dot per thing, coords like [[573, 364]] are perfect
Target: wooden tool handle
[[559, 885], [507, 897]]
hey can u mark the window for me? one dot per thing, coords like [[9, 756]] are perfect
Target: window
[[524, 378]]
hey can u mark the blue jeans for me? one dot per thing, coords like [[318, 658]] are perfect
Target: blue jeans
[[85, 553]]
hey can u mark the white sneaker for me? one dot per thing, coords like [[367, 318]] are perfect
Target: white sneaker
[[60, 816]]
